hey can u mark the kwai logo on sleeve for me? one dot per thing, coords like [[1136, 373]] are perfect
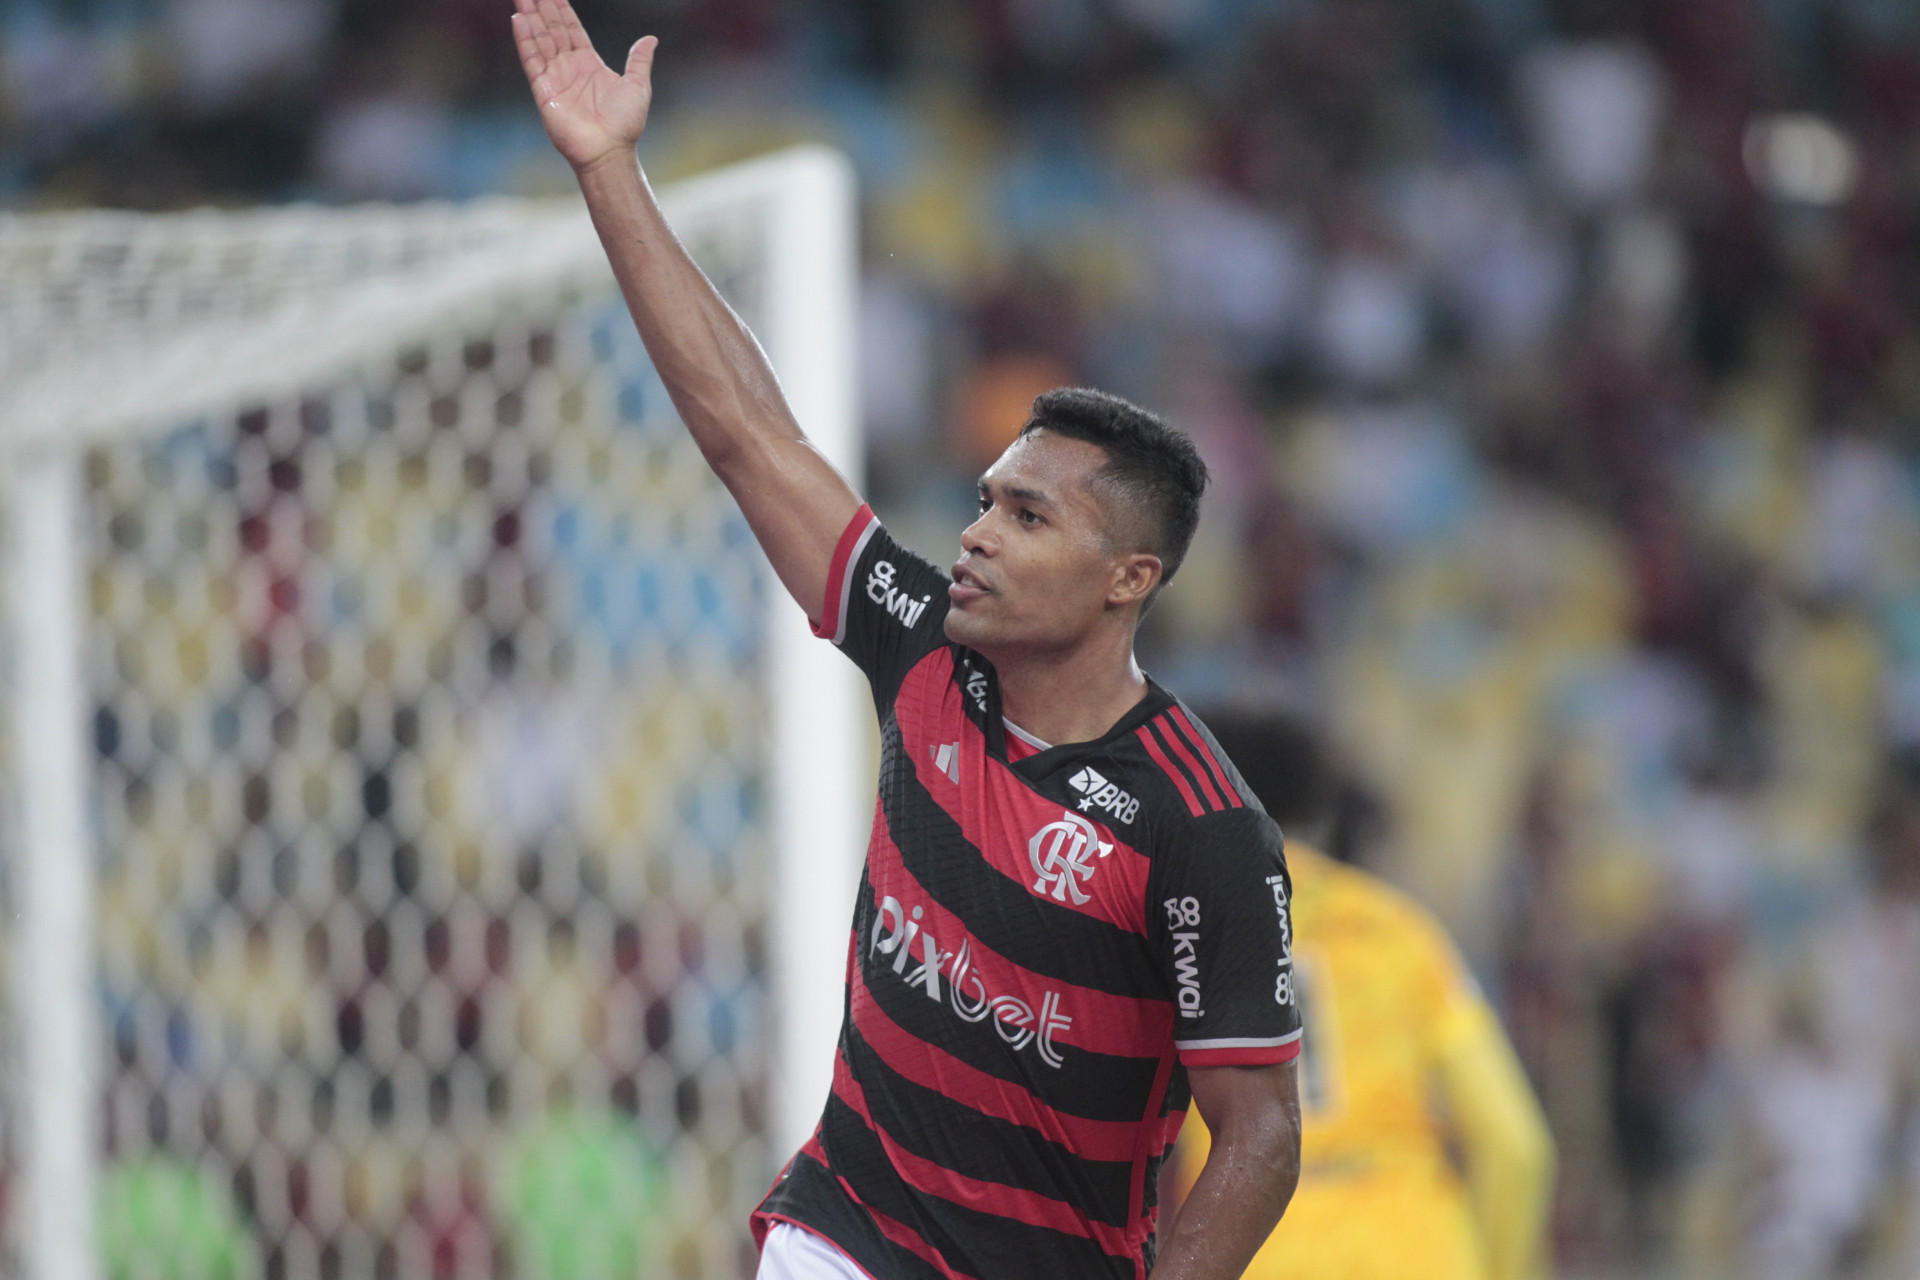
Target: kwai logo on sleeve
[[1183, 922], [901, 607], [1283, 983]]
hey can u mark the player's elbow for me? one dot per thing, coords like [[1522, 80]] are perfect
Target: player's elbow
[[1286, 1160], [751, 460], [1268, 1151], [1254, 1116]]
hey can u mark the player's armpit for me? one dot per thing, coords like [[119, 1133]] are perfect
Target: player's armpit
[[1504, 1142], [1252, 1167]]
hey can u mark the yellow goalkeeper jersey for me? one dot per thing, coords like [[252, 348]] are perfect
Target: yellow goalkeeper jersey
[[1402, 1059]]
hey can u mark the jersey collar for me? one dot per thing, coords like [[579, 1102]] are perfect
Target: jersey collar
[[980, 694]]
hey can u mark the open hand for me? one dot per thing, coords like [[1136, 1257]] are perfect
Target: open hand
[[591, 114]]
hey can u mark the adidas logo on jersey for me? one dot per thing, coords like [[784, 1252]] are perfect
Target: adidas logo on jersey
[[946, 758], [1102, 794]]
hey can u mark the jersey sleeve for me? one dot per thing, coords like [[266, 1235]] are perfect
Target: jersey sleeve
[[1221, 916], [885, 606]]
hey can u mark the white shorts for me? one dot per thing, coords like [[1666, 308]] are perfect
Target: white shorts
[[793, 1253]]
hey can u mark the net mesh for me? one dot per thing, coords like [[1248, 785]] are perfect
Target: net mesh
[[427, 726], [11, 1095]]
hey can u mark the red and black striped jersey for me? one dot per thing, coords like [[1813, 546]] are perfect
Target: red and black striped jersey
[[1045, 938]]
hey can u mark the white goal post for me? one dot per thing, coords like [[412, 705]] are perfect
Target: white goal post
[[123, 335]]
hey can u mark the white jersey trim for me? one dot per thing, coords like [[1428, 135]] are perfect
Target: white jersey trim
[[1024, 736], [847, 574], [1240, 1042]]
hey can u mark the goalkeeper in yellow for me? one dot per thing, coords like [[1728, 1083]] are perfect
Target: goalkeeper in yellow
[[1423, 1151]]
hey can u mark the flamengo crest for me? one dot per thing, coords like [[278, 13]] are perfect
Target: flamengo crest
[[1062, 856]]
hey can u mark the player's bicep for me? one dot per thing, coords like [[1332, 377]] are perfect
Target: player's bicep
[[1223, 920], [1237, 1103], [797, 505]]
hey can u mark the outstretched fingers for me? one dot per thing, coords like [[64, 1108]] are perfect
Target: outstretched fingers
[[534, 38], [568, 34], [532, 61]]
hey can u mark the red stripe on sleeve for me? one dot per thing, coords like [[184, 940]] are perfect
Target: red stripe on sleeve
[[827, 626], [1241, 1057], [1199, 745], [1160, 758], [1186, 757]]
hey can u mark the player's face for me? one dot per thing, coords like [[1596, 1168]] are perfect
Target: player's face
[[1037, 568]]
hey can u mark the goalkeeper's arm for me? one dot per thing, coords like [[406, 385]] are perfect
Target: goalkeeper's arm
[[1503, 1141], [720, 381]]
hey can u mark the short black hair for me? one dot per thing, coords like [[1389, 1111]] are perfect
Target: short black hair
[[1152, 468]]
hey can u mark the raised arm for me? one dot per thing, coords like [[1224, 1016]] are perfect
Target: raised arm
[[1252, 1167], [720, 381]]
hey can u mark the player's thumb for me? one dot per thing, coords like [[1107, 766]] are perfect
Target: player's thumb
[[640, 59]]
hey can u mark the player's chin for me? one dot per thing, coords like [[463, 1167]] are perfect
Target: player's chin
[[978, 625], [967, 628]]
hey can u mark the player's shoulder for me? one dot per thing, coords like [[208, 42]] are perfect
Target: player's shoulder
[[885, 603], [1184, 776], [904, 584]]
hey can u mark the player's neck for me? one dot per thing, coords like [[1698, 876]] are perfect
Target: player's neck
[[1069, 697]]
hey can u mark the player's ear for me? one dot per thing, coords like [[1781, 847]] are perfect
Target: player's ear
[[1135, 575]]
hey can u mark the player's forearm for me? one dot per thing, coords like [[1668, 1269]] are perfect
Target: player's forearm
[[720, 381], [712, 367], [1248, 1180]]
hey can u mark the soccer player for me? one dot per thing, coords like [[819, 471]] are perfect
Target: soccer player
[[1073, 917], [1394, 1024]]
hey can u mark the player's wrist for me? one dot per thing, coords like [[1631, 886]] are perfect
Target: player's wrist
[[615, 158]]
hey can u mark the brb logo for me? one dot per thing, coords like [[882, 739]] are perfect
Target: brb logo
[[1103, 794], [1062, 855], [880, 589]]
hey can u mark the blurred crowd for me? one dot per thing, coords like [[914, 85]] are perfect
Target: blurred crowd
[[1559, 369]]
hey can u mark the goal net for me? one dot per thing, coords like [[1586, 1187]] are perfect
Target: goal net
[[407, 746]]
